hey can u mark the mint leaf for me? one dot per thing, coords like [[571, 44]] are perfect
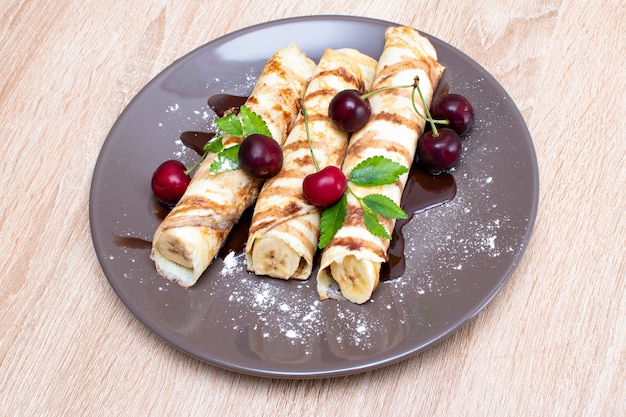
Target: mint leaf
[[332, 220], [215, 145], [253, 123], [230, 124], [384, 206], [377, 170], [226, 160], [373, 224], [240, 126]]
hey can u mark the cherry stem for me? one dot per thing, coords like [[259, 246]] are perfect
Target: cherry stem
[[428, 117], [391, 87], [194, 166], [415, 86], [359, 199], [305, 115]]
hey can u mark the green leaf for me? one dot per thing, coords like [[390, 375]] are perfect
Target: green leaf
[[373, 224], [230, 124], [253, 123], [332, 220], [384, 206], [215, 145], [226, 160], [377, 170]]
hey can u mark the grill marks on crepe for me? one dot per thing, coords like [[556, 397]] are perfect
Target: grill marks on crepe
[[287, 211], [350, 263], [209, 207], [282, 77], [395, 119], [349, 78], [285, 227], [191, 235]]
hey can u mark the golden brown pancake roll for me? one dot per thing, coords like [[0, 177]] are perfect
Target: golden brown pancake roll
[[191, 235], [285, 227], [351, 262]]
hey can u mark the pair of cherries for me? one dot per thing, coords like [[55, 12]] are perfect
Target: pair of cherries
[[438, 150]]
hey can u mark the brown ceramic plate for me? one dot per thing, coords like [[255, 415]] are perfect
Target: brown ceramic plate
[[458, 255]]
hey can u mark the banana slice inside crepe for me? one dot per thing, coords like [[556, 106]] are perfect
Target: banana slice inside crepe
[[285, 227], [350, 263], [191, 235]]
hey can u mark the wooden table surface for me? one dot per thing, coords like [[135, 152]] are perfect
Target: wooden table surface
[[551, 343]]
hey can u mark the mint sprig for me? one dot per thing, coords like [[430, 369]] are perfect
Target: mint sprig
[[371, 172], [240, 125]]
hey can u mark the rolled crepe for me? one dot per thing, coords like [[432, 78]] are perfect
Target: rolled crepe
[[350, 264], [285, 227], [191, 235]]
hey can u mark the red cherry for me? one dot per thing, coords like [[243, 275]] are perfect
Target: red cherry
[[348, 111], [325, 187], [439, 153], [457, 110], [260, 156], [169, 182]]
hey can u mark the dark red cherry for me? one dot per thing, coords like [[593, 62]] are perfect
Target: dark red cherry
[[260, 156], [325, 187], [169, 182], [457, 110], [439, 153], [348, 111]]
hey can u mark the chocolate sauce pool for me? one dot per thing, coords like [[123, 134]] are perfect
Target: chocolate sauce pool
[[132, 242], [196, 140], [422, 191], [221, 103]]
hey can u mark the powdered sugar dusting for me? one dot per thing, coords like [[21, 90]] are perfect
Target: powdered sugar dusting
[[273, 312]]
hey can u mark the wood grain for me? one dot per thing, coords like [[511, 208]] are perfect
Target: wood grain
[[551, 343]]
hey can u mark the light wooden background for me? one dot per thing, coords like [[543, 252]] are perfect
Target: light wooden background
[[552, 343]]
